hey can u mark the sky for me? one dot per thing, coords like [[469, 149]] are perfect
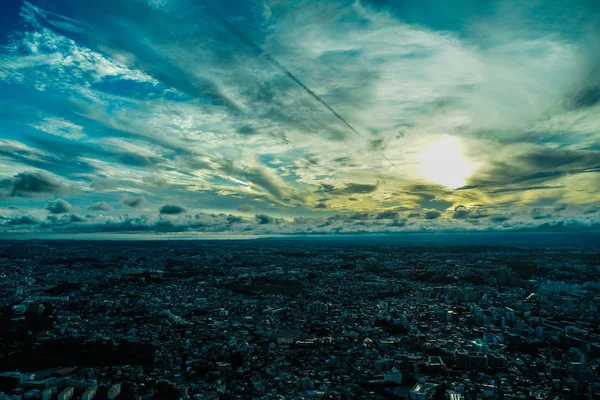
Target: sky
[[240, 117]]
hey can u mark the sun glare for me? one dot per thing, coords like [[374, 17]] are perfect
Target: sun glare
[[443, 163]]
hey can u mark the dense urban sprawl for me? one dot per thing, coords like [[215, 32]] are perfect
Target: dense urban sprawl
[[297, 319]]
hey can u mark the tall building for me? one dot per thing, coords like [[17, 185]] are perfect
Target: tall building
[[478, 362], [305, 384], [462, 359], [317, 307], [90, 393], [46, 394], [395, 376], [496, 361], [66, 394], [114, 391], [383, 365]]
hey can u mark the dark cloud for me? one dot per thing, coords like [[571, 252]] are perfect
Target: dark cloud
[[101, 206], [28, 184], [234, 219], [561, 207], [462, 212], [247, 130], [264, 219], [425, 199], [54, 221], [388, 214], [587, 97], [138, 160], [539, 213], [349, 189], [76, 218], [200, 222], [245, 208], [327, 188], [539, 165], [358, 188], [357, 216], [545, 158], [592, 210], [343, 160], [432, 214], [321, 205], [24, 220], [499, 218], [377, 145], [58, 206], [398, 223], [172, 209], [133, 201]]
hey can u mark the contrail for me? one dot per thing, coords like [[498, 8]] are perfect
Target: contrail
[[257, 49]]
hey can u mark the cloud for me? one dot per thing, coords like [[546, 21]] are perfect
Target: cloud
[[432, 214], [133, 201], [398, 223], [348, 189], [588, 97], [60, 127], [23, 220], [234, 219], [171, 209], [462, 212], [351, 223], [262, 177], [58, 206], [29, 184], [388, 214], [526, 189], [499, 218], [561, 207], [592, 210], [76, 218], [245, 208], [539, 213], [101, 206], [264, 219]]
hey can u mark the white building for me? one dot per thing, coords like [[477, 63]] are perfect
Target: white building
[[423, 391]]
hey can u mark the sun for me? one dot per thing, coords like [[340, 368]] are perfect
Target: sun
[[443, 162]]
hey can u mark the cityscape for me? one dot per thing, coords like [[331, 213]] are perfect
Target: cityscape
[[298, 319], [299, 199]]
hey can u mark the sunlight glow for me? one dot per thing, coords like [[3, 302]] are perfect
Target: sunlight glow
[[443, 163]]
